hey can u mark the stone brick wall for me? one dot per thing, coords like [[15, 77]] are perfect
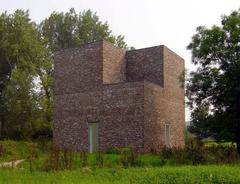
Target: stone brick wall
[[174, 112], [131, 94], [114, 64], [153, 111], [165, 106], [118, 108], [78, 69], [145, 64], [122, 118]]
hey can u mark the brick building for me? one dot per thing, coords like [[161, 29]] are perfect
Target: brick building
[[107, 97]]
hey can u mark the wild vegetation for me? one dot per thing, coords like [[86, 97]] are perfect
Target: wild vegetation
[[213, 89], [49, 157], [162, 175], [46, 163]]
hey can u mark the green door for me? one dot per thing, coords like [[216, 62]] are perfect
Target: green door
[[167, 136], [93, 137]]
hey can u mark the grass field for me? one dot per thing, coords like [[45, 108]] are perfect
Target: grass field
[[150, 169], [166, 174]]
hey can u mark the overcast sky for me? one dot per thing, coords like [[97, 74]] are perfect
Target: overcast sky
[[144, 23]]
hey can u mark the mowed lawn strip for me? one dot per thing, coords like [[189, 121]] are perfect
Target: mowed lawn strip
[[166, 174]]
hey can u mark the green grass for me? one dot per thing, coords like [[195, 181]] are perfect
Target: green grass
[[15, 150], [150, 169], [166, 174], [22, 150]]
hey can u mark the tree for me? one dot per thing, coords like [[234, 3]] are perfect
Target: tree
[[20, 106], [199, 124], [62, 30], [20, 51], [216, 82]]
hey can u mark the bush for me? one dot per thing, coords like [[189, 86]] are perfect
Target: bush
[[59, 159], [33, 155], [99, 159], [45, 145], [129, 158], [222, 154], [44, 133], [195, 153], [113, 151], [2, 150], [83, 159]]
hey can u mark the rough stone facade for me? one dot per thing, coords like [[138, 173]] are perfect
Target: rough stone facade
[[132, 95]]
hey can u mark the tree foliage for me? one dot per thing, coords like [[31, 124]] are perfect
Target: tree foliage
[[199, 121], [216, 82], [20, 50], [62, 30]]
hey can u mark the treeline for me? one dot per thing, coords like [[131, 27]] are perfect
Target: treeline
[[213, 89], [26, 65]]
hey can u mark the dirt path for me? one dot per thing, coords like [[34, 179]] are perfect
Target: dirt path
[[12, 164]]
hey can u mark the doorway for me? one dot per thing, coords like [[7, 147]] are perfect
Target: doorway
[[93, 136], [167, 136]]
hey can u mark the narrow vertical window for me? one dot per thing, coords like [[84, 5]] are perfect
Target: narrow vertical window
[[93, 136], [167, 136]]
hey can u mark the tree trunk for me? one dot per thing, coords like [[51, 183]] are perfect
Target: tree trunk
[[238, 140], [238, 123], [1, 124], [1, 129]]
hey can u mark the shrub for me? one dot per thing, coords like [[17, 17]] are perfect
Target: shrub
[[44, 133], [195, 153], [67, 158], [99, 159], [222, 154], [33, 154], [52, 163], [45, 145], [129, 158], [175, 156], [2, 150], [83, 159], [59, 159], [113, 151], [12, 150]]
